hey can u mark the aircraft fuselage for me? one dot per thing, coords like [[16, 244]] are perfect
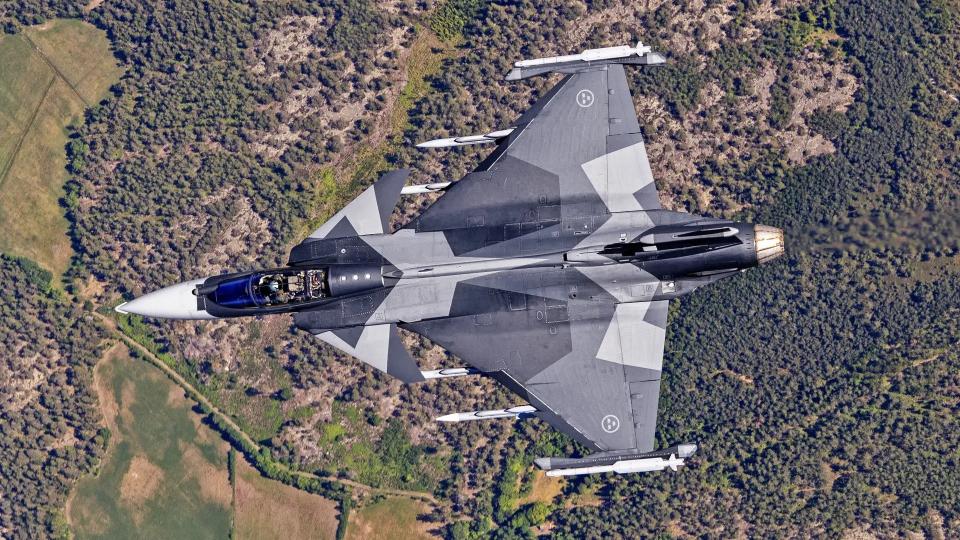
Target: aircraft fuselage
[[412, 275]]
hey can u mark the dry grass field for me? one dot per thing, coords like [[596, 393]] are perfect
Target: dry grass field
[[51, 73], [390, 518], [266, 509]]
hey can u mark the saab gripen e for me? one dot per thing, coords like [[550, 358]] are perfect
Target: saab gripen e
[[548, 268]]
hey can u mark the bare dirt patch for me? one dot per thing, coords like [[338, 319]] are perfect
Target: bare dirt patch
[[726, 130], [127, 399], [545, 489], [828, 476], [344, 94], [698, 18], [820, 85], [139, 484], [29, 360], [92, 5], [23, 388], [175, 396], [237, 242], [92, 288], [745, 379], [214, 482], [290, 42]]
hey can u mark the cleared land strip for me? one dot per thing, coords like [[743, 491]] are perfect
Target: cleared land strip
[[55, 69], [195, 394], [25, 132]]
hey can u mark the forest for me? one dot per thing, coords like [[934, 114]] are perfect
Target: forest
[[50, 432], [824, 390]]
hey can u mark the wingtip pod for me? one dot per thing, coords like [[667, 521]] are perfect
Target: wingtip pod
[[447, 373], [623, 467], [421, 189], [618, 462]]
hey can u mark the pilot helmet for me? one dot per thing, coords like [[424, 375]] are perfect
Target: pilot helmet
[[273, 285]]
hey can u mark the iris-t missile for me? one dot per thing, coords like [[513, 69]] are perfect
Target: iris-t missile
[[520, 411], [589, 55], [466, 140], [420, 189], [449, 372]]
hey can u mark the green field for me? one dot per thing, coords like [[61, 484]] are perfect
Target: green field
[[165, 475], [51, 73]]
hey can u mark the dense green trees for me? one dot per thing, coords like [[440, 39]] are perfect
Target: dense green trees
[[49, 420]]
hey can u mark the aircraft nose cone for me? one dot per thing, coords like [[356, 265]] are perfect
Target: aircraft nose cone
[[768, 242], [174, 302]]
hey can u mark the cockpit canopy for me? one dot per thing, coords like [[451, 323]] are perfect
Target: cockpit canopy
[[282, 288], [271, 288]]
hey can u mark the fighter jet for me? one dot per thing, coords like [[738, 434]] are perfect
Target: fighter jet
[[549, 268]]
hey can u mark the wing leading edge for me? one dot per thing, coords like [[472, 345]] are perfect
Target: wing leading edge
[[578, 147]]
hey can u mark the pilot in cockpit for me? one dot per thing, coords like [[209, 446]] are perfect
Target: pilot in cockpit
[[270, 288]]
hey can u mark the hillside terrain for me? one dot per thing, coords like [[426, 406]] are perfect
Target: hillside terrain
[[824, 390]]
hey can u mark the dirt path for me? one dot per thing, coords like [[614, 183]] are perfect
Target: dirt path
[[111, 325]]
